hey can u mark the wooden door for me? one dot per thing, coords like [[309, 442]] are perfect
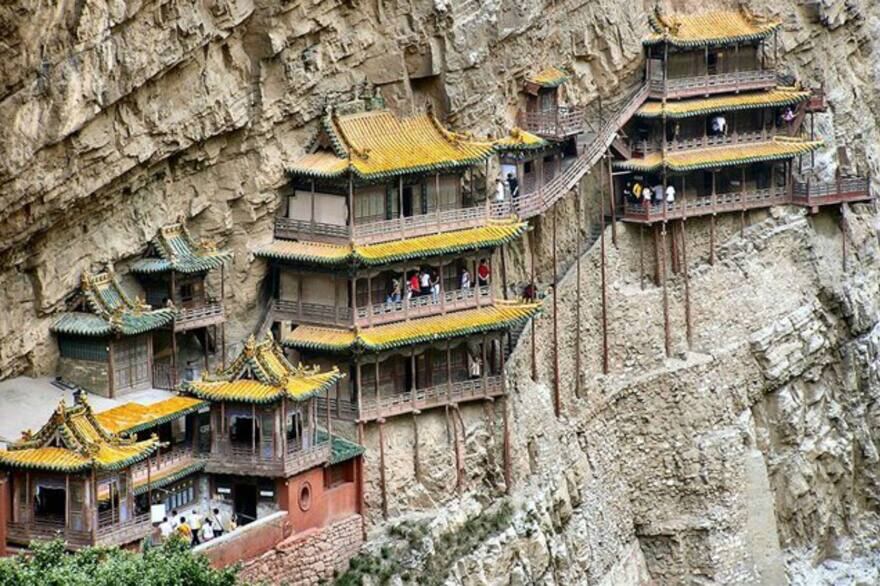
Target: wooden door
[[131, 363]]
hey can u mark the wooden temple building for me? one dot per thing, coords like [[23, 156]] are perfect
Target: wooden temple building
[[717, 127], [174, 274], [74, 478], [106, 341], [267, 451]]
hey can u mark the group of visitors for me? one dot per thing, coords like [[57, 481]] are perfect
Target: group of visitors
[[198, 528], [637, 193], [503, 188], [424, 282]]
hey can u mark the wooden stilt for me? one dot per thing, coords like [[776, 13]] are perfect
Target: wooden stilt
[[843, 227], [687, 286], [557, 402], [534, 294], [613, 203], [712, 240], [503, 274], [642, 256], [458, 479], [674, 251], [382, 486], [604, 287], [666, 332], [656, 256], [416, 469], [507, 473], [577, 301]]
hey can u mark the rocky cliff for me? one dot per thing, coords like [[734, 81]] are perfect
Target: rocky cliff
[[748, 458]]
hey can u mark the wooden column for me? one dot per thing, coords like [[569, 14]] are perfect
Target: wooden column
[[557, 400], [376, 381], [532, 320], [503, 273], [357, 387], [382, 468], [712, 222], [666, 333], [205, 345], [613, 203], [414, 386], [400, 205], [369, 300], [111, 375], [604, 287], [742, 228], [253, 428], [577, 300], [351, 222], [312, 203], [484, 366], [642, 256], [448, 371], [508, 485], [437, 202]]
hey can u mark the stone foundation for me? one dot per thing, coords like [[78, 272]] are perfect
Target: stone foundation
[[309, 557], [92, 376]]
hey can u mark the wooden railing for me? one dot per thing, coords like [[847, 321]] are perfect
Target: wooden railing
[[199, 316], [734, 138], [558, 123], [311, 313], [684, 87], [23, 533], [177, 458], [165, 376], [844, 189], [424, 305], [538, 201], [372, 232], [427, 398], [118, 533], [262, 460]]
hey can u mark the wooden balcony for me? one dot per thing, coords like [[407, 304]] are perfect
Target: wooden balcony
[[162, 465], [109, 532], [557, 124], [420, 400], [228, 458], [704, 85], [705, 205], [435, 222], [207, 313], [642, 147], [812, 195], [843, 190]]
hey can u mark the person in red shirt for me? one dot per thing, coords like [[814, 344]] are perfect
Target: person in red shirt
[[483, 273], [414, 285]]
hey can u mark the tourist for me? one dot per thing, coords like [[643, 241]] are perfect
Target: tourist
[[637, 191], [473, 366], [425, 282], [184, 531], [465, 279], [670, 193], [207, 532], [165, 528], [719, 125], [628, 192], [499, 190], [528, 294], [435, 286], [513, 185], [788, 117], [658, 193], [233, 523], [483, 273], [196, 526], [394, 295], [174, 520], [217, 522], [414, 288]]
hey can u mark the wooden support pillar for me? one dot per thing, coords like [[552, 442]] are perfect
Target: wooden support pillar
[[448, 371], [508, 485], [532, 320], [577, 300], [843, 227], [400, 205], [687, 286], [357, 389], [223, 324], [484, 366], [416, 469], [205, 346], [253, 428], [414, 387], [642, 256], [613, 203], [557, 401], [667, 339], [503, 273], [742, 186], [604, 288], [656, 255], [111, 367], [674, 251], [382, 485]]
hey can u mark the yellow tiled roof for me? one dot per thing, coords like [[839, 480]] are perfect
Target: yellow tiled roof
[[520, 140], [73, 441], [489, 236], [134, 417], [378, 144], [709, 28], [782, 96], [725, 156], [549, 78], [261, 374], [416, 331]]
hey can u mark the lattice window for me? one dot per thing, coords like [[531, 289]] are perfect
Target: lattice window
[[82, 348]]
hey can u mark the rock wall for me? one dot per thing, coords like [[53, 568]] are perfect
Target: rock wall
[[118, 118], [307, 559]]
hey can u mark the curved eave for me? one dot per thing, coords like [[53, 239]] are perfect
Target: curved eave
[[633, 164], [733, 108], [276, 393], [164, 419], [170, 479], [709, 42]]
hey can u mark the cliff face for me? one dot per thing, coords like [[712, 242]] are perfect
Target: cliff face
[[749, 459]]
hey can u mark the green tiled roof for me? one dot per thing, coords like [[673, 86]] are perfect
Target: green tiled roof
[[111, 311], [154, 484], [174, 249], [341, 449]]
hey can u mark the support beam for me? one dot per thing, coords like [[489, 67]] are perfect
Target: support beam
[[382, 485], [577, 300], [611, 199], [416, 470], [604, 286], [667, 339], [508, 484], [557, 401], [534, 293], [642, 256]]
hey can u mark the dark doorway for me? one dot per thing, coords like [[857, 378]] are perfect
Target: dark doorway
[[407, 375], [245, 503], [407, 201], [49, 504], [714, 62], [243, 432]]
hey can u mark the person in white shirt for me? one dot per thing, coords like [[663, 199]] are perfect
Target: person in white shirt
[[499, 190], [165, 528], [719, 125], [465, 279], [670, 193], [425, 282], [207, 531]]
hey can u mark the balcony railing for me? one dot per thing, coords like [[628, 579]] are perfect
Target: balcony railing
[[844, 189], [684, 87], [109, 531], [424, 305], [559, 123], [400, 403], [435, 222], [177, 458], [642, 147], [311, 313], [705, 205], [228, 458], [198, 316]]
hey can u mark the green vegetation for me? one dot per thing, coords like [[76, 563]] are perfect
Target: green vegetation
[[170, 564], [412, 538]]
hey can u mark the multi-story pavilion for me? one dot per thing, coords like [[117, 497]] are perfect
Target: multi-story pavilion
[[106, 341], [76, 479], [175, 275], [267, 451], [717, 127]]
